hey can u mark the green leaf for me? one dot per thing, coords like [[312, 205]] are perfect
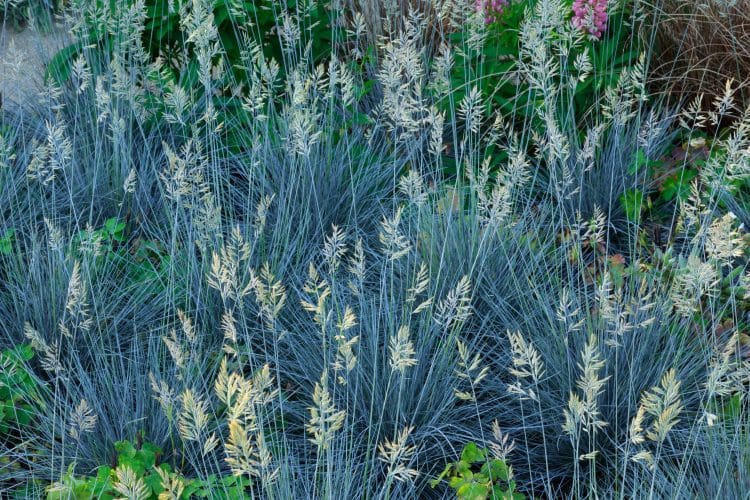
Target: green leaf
[[128, 456], [733, 408], [438, 479], [472, 454], [632, 203], [24, 352], [497, 50], [6, 241], [462, 467], [678, 185], [495, 469], [472, 491], [499, 493], [103, 481], [457, 482], [153, 481], [638, 162], [125, 449], [115, 228]]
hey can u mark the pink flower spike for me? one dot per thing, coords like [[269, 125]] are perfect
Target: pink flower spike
[[590, 16], [491, 9]]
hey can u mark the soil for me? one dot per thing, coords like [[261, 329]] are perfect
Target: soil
[[23, 55]]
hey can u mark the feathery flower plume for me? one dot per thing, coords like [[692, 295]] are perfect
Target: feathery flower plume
[[694, 280], [173, 485], [318, 292], [436, 120], [176, 350], [81, 74], [261, 214], [455, 308], [725, 241], [245, 448], [357, 268], [270, 294], [402, 77], [54, 235], [76, 303], [334, 248], [325, 420], [241, 452], [440, 83], [397, 455], [402, 350], [230, 333], [210, 444], [164, 395], [501, 445], [177, 103], [302, 115], [395, 244], [470, 110], [345, 360], [421, 283], [193, 419], [663, 403], [7, 156], [722, 103], [51, 360], [129, 185], [728, 371], [568, 313], [583, 414], [635, 431], [227, 266], [129, 485], [412, 186], [527, 364], [469, 369], [83, 420]]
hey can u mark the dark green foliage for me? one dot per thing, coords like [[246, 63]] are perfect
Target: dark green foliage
[[165, 37], [491, 68], [493, 71], [237, 23]]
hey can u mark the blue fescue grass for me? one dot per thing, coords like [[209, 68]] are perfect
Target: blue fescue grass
[[457, 263]]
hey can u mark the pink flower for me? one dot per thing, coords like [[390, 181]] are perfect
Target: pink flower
[[491, 9], [591, 16]]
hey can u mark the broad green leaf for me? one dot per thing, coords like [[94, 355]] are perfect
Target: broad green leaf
[[472, 454], [632, 203]]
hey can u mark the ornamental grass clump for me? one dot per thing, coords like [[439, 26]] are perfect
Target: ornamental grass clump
[[328, 289], [702, 45]]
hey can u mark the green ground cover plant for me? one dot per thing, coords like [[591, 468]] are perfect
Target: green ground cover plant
[[469, 255], [17, 390], [139, 474], [492, 480]]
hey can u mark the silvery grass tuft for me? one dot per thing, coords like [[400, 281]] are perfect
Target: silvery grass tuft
[[328, 314]]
